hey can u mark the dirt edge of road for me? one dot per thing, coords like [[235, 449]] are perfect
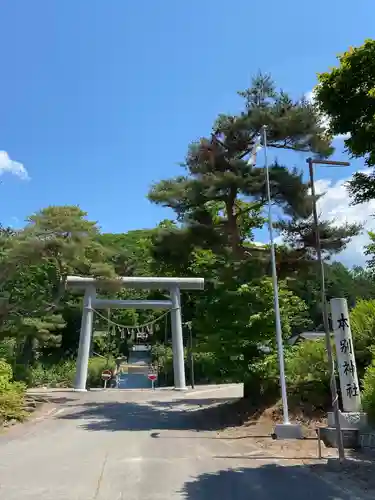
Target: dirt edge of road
[[244, 421]]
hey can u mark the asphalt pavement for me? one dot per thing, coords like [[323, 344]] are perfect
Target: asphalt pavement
[[143, 445]]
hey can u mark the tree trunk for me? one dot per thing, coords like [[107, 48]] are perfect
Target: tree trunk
[[233, 230], [27, 355]]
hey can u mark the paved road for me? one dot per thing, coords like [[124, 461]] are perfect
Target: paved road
[[143, 445]]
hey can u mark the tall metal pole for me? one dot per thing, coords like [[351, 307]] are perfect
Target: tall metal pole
[[177, 340], [335, 399], [279, 338], [192, 378]]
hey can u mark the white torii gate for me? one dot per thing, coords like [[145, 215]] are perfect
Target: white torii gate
[[91, 302]]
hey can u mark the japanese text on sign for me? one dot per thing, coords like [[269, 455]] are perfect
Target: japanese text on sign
[[345, 355]]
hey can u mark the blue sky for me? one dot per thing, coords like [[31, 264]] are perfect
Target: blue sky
[[100, 98]]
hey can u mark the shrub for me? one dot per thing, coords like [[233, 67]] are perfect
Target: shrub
[[23, 373], [207, 368], [96, 366], [7, 350], [6, 373], [262, 377], [306, 371], [11, 395], [161, 355], [362, 321], [63, 374], [52, 375], [368, 394], [308, 376], [307, 362]]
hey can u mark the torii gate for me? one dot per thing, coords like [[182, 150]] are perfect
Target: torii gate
[[91, 302]]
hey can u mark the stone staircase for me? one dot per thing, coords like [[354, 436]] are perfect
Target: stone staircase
[[138, 368]]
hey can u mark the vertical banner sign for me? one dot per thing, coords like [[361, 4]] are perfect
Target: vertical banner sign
[[347, 369]]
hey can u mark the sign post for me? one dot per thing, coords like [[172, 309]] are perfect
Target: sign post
[[106, 375], [351, 397], [152, 377], [352, 417]]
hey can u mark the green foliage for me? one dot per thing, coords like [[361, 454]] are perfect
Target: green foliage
[[11, 395], [162, 357], [368, 393], [352, 284], [12, 402], [307, 375], [238, 322], [6, 373], [370, 251], [96, 366], [62, 374], [131, 252], [160, 354], [306, 367], [34, 263], [308, 362], [346, 94], [362, 322], [7, 350], [207, 367], [56, 375]]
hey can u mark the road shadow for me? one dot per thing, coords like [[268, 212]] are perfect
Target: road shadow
[[268, 482], [358, 468], [133, 416]]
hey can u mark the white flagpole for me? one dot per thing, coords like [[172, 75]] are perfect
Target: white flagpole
[[279, 337]]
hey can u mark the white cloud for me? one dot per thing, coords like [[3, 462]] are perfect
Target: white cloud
[[324, 120], [335, 206], [13, 167]]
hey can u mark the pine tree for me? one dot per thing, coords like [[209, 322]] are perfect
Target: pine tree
[[34, 263], [219, 201]]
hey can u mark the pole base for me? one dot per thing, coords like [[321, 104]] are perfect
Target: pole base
[[349, 420], [288, 431], [79, 390], [350, 437], [181, 388]]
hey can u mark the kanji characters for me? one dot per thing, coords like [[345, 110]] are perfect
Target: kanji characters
[[346, 346], [352, 390], [348, 367], [343, 322]]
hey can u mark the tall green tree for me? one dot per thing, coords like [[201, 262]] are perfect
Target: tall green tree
[[370, 252], [34, 264], [235, 319], [346, 95], [353, 284]]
